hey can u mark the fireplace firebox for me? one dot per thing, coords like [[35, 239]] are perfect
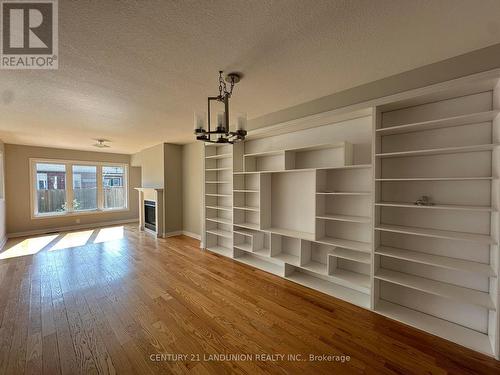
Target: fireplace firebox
[[150, 215]]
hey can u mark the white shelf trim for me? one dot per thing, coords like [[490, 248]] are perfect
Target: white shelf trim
[[467, 119], [438, 288], [437, 206], [438, 151], [346, 218], [436, 260], [437, 233]]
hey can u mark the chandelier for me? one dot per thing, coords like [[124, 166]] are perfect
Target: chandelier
[[221, 133]]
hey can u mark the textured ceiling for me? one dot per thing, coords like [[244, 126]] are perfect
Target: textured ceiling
[[134, 71]]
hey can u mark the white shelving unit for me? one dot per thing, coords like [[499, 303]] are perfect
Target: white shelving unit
[[332, 208], [218, 199], [288, 205], [436, 266]]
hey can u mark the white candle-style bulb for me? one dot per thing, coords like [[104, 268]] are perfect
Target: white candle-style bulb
[[199, 120], [241, 121], [221, 120]]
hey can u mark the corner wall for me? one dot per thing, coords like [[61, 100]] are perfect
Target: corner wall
[[192, 180], [173, 188]]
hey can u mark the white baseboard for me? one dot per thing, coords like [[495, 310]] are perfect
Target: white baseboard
[[183, 232], [192, 235], [70, 227], [172, 234]]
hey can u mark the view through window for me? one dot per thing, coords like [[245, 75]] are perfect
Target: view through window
[[85, 193], [51, 188]]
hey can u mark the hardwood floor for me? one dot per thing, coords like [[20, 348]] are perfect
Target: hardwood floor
[[111, 300]]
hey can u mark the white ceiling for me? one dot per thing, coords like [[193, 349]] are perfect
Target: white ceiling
[[134, 71]]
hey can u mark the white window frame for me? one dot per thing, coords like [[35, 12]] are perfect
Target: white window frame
[[69, 188]]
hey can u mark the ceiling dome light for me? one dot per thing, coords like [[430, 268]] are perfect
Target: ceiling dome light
[[101, 143]]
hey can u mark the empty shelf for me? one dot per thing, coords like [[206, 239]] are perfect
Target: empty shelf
[[352, 166], [437, 206], [437, 233], [221, 156], [435, 179], [366, 193], [287, 258], [244, 232], [352, 255], [220, 233], [265, 153], [436, 260], [291, 233], [437, 288], [224, 208], [364, 247], [263, 253], [244, 246], [261, 264], [436, 326], [220, 220], [316, 267], [332, 289], [217, 182], [247, 208], [353, 280], [244, 172], [248, 225], [473, 118], [218, 169], [221, 250], [245, 191], [438, 151], [218, 195], [348, 218]]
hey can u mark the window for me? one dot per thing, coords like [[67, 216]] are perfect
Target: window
[[95, 187], [51, 190], [114, 189], [84, 187]]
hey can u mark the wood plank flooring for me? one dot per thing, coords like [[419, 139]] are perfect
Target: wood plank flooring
[[109, 301]]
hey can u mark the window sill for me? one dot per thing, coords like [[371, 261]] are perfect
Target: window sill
[[78, 213]]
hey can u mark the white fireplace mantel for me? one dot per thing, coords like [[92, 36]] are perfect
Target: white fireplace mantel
[[156, 195]]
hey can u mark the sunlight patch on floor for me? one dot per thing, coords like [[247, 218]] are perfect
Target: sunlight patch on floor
[[73, 239], [109, 234], [29, 246]]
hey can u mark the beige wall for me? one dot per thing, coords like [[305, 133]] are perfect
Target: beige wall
[[192, 181], [17, 189], [151, 161], [173, 188]]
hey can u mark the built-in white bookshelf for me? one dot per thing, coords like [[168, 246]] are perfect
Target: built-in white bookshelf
[[436, 258], [218, 198], [396, 212], [299, 212]]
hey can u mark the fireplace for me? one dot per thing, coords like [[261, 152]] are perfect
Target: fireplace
[[150, 215]]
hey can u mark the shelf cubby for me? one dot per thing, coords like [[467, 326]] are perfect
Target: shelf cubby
[[466, 295], [286, 249], [319, 156], [314, 257], [264, 161], [310, 280], [440, 261]]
